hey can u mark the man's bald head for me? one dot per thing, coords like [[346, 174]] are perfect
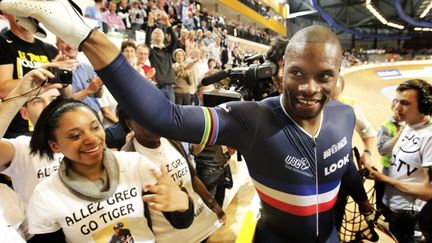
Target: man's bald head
[[315, 34]]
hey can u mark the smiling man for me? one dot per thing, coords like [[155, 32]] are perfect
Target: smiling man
[[297, 146]]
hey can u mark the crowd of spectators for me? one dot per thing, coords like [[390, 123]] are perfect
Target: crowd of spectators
[[258, 7], [129, 17], [360, 56]]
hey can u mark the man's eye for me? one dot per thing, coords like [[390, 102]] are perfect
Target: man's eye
[[296, 73], [325, 77]]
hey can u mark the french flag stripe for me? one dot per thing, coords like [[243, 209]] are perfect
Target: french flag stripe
[[303, 190], [295, 209], [296, 200]]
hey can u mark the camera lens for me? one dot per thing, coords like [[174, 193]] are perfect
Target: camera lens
[[65, 75]]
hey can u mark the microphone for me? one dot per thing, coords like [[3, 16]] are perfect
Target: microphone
[[215, 77]]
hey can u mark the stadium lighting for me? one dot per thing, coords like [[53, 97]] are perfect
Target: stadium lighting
[[380, 17], [426, 11], [422, 29], [401, 27]]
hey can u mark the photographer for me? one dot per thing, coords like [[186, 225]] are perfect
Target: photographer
[[29, 98], [286, 140], [275, 55], [161, 55]]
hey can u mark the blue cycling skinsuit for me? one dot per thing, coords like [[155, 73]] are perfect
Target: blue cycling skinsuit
[[297, 176]]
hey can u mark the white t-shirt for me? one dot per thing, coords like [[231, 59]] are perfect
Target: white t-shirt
[[12, 214], [205, 221], [27, 170], [411, 153], [107, 100], [52, 206], [9, 235]]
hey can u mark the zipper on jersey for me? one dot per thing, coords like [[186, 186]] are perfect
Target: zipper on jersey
[[316, 188]]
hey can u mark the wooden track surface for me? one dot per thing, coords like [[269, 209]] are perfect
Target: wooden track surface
[[363, 85]]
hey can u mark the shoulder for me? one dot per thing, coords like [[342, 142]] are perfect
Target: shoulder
[[335, 105], [347, 100], [128, 159], [271, 102], [20, 143], [51, 184], [336, 112]]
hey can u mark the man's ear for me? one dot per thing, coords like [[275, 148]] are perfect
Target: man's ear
[[24, 113], [54, 147]]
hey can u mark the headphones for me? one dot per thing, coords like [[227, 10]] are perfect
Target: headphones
[[424, 91]]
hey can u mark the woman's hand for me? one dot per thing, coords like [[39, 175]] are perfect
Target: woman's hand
[[167, 195]]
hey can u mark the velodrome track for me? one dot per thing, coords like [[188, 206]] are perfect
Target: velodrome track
[[372, 86]]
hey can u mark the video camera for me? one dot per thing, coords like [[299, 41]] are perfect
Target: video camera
[[251, 82]]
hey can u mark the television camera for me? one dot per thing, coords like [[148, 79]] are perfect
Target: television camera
[[250, 82]]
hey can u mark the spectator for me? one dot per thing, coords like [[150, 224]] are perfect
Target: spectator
[[89, 174], [408, 189], [215, 50], [143, 62], [161, 56], [111, 18], [20, 53], [95, 12], [128, 49], [137, 16], [122, 11], [387, 137], [171, 155], [86, 85], [183, 83], [24, 169]]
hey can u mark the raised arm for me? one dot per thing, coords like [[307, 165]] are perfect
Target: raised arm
[[138, 96], [7, 83], [27, 88]]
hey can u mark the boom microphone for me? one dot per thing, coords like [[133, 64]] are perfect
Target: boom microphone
[[215, 77]]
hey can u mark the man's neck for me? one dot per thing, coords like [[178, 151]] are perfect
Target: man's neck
[[311, 126], [421, 121], [159, 45]]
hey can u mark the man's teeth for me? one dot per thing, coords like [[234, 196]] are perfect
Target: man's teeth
[[307, 102], [92, 150]]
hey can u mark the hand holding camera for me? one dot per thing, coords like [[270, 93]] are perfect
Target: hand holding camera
[[61, 76], [32, 84]]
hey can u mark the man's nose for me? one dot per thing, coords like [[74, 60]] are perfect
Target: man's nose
[[309, 87]]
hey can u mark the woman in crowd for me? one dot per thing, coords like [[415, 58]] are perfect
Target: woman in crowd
[[95, 189], [183, 82], [128, 49]]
